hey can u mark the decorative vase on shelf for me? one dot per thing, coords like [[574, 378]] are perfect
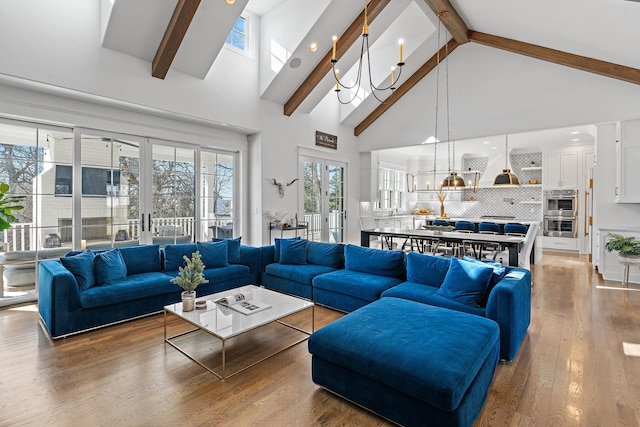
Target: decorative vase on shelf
[[188, 300]]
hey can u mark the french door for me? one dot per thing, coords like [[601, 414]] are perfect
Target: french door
[[323, 198]]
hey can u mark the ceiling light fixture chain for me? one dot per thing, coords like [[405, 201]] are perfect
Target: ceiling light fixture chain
[[452, 181], [356, 87]]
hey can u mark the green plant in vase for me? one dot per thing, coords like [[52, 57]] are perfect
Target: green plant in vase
[[188, 278], [627, 247]]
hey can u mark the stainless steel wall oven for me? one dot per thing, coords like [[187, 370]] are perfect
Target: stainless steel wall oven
[[560, 213]]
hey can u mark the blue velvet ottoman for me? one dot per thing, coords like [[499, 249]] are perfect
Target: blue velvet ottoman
[[409, 362]]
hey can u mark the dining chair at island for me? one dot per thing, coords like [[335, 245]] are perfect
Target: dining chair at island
[[524, 254], [515, 229]]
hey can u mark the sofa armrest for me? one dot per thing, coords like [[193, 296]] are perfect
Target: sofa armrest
[[509, 305], [251, 257], [58, 294]]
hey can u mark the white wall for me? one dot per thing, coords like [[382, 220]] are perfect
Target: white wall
[[53, 69]]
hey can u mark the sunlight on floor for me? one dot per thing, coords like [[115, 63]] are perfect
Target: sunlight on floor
[[631, 349], [30, 307], [616, 288]]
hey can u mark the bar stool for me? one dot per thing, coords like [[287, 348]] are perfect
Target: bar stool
[[465, 247], [486, 227], [515, 229]]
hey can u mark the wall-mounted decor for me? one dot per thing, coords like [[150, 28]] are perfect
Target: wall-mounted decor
[[326, 140]]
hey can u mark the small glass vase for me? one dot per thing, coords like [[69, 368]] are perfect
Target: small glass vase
[[188, 300]]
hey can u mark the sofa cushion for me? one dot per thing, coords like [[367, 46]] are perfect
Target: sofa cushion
[[322, 253], [364, 286], [374, 261], [214, 254], [428, 269], [81, 266], [173, 255], [233, 247], [109, 267], [276, 244], [141, 259], [429, 353], [293, 252], [220, 274], [413, 291], [299, 273], [465, 282], [133, 287]]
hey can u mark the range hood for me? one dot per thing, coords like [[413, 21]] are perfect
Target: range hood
[[494, 167]]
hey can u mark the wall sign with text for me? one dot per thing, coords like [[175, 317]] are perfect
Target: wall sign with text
[[326, 140]]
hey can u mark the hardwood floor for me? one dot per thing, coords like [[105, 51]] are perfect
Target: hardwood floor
[[570, 370]]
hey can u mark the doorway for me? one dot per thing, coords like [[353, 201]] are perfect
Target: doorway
[[323, 199]]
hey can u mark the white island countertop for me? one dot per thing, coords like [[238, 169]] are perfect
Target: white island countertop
[[471, 219]]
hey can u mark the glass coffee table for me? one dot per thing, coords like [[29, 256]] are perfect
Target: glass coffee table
[[225, 323]]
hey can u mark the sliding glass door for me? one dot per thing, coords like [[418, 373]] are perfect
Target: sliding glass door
[[92, 189]]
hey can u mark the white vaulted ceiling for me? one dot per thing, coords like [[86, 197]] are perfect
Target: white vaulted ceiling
[[605, 30]]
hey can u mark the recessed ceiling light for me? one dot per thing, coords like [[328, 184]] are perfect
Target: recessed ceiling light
[[313, 47], [494, 148], [575, 132], [230, 1], [487, 142], [575, 140]]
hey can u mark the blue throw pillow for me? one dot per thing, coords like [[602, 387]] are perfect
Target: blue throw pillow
[[327, 254], [499, 272], [233, 249], [276, 244], [293, 251], [465, 282], [141, 259], [109, 267], [427, 269], [174, 255], [81, 266], [214, 254], [380, 262]]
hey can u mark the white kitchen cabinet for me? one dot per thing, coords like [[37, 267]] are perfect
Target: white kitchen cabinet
[[560, 170], [402, 222], [560, 243], [628, 158]]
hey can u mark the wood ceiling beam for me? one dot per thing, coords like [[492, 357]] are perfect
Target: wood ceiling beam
[[451, 20], [406, 86], [596, 66], [348, 38], [173, 36]]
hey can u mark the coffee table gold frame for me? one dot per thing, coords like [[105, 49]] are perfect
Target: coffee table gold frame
[[223, 376]]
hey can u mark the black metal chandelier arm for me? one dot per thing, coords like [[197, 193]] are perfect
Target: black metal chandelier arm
[[373, 86]]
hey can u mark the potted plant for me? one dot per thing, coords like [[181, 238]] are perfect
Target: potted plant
[[627, 247], [188, 278], [8, 204]]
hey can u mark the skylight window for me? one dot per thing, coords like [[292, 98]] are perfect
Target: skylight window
[[238, 36]]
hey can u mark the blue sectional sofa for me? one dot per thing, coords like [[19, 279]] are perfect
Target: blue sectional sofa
[[502, 294], [89, 289]]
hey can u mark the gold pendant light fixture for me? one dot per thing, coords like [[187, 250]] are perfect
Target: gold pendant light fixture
[[355, 87], [506, 178]]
